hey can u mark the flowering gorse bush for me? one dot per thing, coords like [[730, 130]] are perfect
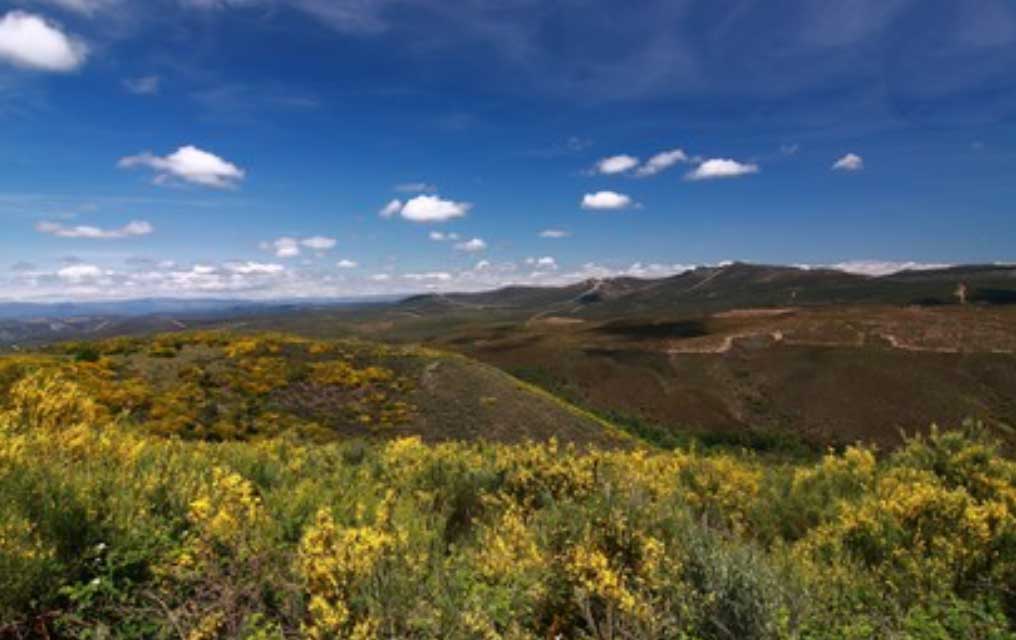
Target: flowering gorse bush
[[107, 527]]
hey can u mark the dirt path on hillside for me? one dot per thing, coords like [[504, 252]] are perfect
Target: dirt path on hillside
[[777, 337]]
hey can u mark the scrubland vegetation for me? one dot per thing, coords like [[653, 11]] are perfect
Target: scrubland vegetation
[[148, 512]]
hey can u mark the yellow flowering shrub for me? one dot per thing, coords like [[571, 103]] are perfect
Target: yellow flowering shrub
[[49, 400], [260, 524], [920, 536], [340, 373], [339, 564]]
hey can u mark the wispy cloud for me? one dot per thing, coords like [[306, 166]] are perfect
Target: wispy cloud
[[616, 164], [661, 162], [849, 162], [554, 233], [131, 229], [471, 246], [415, 187], [289, 247], [143, 85]]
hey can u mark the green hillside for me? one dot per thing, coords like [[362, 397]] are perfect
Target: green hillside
[[220, 386]]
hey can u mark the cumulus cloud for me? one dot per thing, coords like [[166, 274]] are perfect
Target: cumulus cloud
[[190, 164], [131, 229], [661, 162], [381, 277], [433, 209], [482, 265], [606, 200], [346, 264], [616, 164], [289, 247], [716, 168], [471, 246], [143, 86], [31, 42], [554, 233], [849, 162]]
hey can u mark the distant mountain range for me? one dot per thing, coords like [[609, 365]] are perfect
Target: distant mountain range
[[702, 290], [149, 306], [709, 289]]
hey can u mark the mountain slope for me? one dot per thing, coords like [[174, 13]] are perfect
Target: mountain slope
[[709, 289], [221, 386]]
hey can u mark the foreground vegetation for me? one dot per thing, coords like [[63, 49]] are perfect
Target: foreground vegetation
[[111, 528]]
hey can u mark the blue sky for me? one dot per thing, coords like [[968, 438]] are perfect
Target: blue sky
[[249, 148]]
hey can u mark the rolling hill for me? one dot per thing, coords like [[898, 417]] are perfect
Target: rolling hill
[[221, 386]]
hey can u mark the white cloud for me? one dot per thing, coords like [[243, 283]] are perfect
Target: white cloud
[[662, 161], [849, 162], [318, 243], [606, 200], [482, 265], [284, 247], [77, 273], [433, 209], [415, 187], [442, 276], [133, 228], [289, 247], [247, 268], [143, 86], [190, 164], [439, 236], [380, 277], [554, 233], [31, 42], [472, 246], [721, 168], [546, 262], [390, 209], [346, 264], [84, 7], [616, 164]]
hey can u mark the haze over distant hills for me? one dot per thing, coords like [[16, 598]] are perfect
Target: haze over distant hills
[[733, 283]]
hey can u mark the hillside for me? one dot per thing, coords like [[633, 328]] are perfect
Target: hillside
[[736, 351], [710, 289], [218, 386]]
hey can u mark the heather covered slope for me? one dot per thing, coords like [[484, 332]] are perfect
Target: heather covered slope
[[221, 386]]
